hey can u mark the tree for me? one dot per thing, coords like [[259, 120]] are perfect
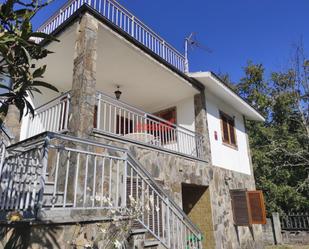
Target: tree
[[18, 54], [280, 146]]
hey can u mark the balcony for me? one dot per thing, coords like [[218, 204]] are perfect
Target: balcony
[[120, 120], [80, 179], [125, 21]]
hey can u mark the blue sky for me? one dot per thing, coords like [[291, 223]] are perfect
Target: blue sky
[[235, 30]]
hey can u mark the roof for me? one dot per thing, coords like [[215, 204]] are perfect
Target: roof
[[220, 89]]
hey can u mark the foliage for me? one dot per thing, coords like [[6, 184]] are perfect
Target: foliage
[[280, 146], [18, 53]]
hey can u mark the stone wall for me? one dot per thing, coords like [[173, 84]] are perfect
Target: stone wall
[[62, 236], [173, 170], [295, 237], [273, 234]]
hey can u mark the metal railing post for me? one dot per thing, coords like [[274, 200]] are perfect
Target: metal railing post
[[43, 173], [124, 204], [168, 222], [132, 28]]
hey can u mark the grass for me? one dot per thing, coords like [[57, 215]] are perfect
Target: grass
[[287, 247]]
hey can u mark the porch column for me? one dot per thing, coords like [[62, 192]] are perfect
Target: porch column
[[12, 123], [83, 92], [201, 125]]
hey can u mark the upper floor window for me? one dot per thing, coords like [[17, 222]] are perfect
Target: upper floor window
[[228, 129]]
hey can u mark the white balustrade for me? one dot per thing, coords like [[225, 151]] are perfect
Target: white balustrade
[[120, 119], [124, 20], [52, 116]]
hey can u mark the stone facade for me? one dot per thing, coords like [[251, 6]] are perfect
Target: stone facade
[[83, 92], [174, 170]]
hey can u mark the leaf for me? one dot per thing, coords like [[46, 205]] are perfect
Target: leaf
[[39, 72], [44, 84], [27, 55], [5, 87]]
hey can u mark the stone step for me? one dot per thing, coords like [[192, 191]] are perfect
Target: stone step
[[137, 231], [57, 205], [151, 243], [50, 199]]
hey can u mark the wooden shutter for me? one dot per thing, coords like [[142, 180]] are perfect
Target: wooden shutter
[[232, 132], [241, 212], [225, 131], [257, 207]]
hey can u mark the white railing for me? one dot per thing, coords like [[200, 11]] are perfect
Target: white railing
[[124, 20], [120, 119], [21, 180], [52, 116], [2, 152], [62, 174]]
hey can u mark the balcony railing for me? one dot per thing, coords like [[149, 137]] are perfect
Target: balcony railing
[[124, 20], [52, 116], [116, 118], [120, 119], [55, 173]]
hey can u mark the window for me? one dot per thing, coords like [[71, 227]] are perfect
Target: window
[[248, 207], [166, 130], [228, 129]]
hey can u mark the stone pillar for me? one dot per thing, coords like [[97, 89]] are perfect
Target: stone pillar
[[277, 228], [83, 92], [12, 123], [201, 125]]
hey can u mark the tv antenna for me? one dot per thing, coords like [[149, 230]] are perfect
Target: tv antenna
[[192, 42]]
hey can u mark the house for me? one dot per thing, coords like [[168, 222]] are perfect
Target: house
[[129, 123]]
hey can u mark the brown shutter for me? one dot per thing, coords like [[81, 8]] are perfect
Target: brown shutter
[[240, 208], [225, 135], [257, 207], [232, 132]]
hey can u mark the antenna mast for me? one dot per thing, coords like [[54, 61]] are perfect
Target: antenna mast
[[187, 40], [191, 42]]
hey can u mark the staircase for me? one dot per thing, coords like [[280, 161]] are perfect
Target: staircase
[[54, 173]]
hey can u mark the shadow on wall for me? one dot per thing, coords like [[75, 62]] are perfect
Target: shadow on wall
[[26, 236]]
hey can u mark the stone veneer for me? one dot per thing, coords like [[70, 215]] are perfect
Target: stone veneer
[[174, 170]]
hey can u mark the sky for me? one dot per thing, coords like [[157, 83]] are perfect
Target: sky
[[235, 31]]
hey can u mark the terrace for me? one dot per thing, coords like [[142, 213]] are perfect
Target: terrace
[[124, 20]]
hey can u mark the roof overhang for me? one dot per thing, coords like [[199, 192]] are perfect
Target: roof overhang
[[215, 86]]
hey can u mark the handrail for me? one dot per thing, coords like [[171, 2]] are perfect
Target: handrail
[[52, 116], [120, 119], [122, 172], [162, 191], [123, 19], [130, 107], [52, 101]]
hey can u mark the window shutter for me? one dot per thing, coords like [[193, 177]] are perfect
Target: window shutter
[[240, 208], [257, 207], [232, 132], [225, 129]]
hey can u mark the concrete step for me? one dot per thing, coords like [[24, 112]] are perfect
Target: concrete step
[[50, 199], [151, 243], [57, 205], [137, 231]]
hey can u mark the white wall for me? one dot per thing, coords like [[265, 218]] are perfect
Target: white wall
[[222, 155]]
